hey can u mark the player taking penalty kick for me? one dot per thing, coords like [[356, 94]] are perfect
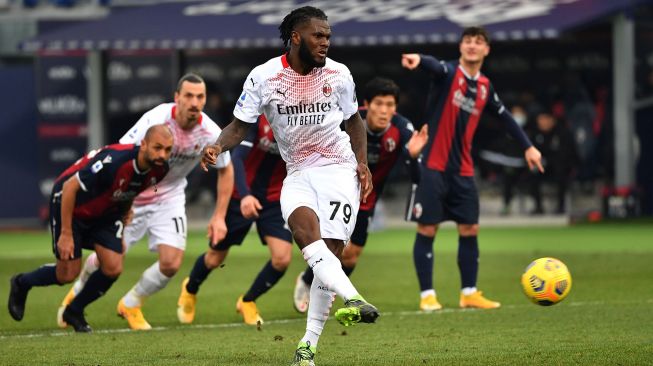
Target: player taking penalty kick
[[306, 96]]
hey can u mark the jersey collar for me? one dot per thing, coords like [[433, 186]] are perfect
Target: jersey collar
[[284, 60], [475, 77], [138, 171]]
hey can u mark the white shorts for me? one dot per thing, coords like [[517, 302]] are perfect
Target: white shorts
[[163, 222], [332, 191]]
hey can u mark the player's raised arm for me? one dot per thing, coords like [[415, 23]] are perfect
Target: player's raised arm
[[412, 61], [231, 136], [355, 128]]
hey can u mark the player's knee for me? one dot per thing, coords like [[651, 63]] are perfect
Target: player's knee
[[65, 277], [213, 258], [350, 255], [427, 230], [468, 230], [281, 261], [112, 271], [170, 266]]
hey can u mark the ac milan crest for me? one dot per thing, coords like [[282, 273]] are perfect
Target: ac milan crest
[[326, 89]]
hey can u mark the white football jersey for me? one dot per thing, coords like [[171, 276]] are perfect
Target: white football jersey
[[305, 111], [186, 151]]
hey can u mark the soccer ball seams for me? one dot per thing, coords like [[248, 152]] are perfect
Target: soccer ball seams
[[546, 281]]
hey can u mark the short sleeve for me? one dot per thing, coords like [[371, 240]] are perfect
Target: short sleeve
[[136, 134], [92, 173], [248, 106], [348, 102]]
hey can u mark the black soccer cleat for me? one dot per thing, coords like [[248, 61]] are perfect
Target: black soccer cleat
[[357, 311], [17, 298], [76, 320]]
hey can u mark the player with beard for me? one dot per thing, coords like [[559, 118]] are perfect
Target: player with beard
[[306, 96], [161, 213], [89, 206]]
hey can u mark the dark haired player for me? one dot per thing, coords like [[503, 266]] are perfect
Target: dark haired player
[[389, 138], [259, 172], [306, 96], [89, 206], [446, 191]]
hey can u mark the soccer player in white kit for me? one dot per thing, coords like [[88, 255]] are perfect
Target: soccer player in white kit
[[160, 211], [306, 96]]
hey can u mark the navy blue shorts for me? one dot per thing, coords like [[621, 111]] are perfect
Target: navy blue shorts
[[359, 236], [441, 196], [106, 232], [269, 223]]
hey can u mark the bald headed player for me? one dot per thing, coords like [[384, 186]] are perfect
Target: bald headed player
[[89, 208], [161, 214]]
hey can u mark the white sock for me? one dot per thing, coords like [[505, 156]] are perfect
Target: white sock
[[326, 266], [468, 290], [426, 293], [151, 282], [90, 265], [321, 299]]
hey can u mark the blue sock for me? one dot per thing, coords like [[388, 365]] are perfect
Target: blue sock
[[423, 258], [267, 278], [198, 275], [97, 285], [468, 260], [308, 276], [43, 276]]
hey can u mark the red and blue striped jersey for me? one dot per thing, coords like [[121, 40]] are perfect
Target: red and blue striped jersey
[[455, 104], [258, 167], [384, 148], [109, 179]]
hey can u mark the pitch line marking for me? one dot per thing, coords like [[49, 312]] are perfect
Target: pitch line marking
[[286, 321]]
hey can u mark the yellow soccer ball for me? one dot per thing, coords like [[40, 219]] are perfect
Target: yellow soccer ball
[[546, 281]]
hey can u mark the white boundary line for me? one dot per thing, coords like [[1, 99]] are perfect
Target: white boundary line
[[286, 321]]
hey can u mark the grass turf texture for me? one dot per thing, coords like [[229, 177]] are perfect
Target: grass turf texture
[[605, 320]]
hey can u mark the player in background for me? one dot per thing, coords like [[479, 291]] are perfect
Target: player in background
[[306, 96], [161, 213], [446, 191], [259, 172], [89, 206], [389, 138]]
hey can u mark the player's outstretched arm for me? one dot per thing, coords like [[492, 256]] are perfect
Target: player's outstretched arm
[[231, 136], [534, 159], [355, 128], [410, 61]]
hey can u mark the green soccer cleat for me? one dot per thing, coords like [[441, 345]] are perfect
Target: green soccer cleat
[[304, 355], [357, 310]]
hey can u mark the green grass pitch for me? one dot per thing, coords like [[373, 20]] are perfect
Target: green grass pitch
[[606, 320]]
